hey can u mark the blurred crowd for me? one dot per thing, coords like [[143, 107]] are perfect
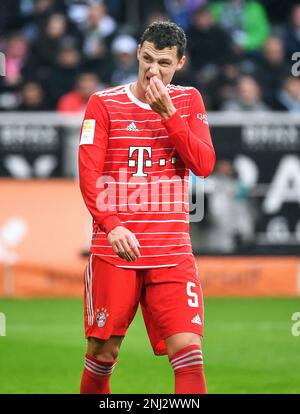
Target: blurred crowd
[[58, 52]]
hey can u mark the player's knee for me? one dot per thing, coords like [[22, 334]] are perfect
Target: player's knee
[[179, 342], [105, 354], [108, 355], [103, 350]]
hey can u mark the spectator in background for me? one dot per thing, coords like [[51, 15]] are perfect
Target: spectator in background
[[271, 69], [45, 7], [209, 45], [124, 53], [36, 13], [223, 88], [230, 213], [186, 76], [32, 97], [77, 11], [180, 11], [48, 43], [245, 21], [63, 76], [97, 32], [76, 100], [154, 16], [292, 32], [25, 15], [248, 97], [148, 11], [98, 27], [16, 54], [289, 95]]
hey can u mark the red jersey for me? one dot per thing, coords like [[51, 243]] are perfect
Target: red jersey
[[134, 171]]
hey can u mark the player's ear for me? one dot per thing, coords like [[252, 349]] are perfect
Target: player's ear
[[180, 63], [138, 52]]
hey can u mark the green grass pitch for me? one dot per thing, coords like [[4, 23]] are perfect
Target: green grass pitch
[[248, 348]]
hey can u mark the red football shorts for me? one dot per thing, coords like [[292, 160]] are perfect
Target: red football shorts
[[170, 297]]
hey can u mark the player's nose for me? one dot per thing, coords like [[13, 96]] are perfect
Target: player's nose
[[153, 70]]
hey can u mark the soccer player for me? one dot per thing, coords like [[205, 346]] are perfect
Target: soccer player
[[138, 142]]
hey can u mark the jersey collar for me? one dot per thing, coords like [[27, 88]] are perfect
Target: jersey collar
[[136, 100]]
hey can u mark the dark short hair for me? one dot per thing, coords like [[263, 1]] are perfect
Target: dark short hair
[[165, 34]]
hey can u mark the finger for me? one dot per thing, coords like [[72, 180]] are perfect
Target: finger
[[136, 240], [156, 95], [125, 254], [132, 236], [128, 250], [133, 245], [154, 87], [127, 257], [150, 99], [115, 247], [150, 95], [162, 90], [119, 249], [147, 99], [159, 85]]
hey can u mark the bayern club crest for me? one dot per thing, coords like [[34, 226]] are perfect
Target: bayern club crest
[[101, 317]]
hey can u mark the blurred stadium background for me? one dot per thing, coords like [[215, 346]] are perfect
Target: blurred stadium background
[[242, 56]]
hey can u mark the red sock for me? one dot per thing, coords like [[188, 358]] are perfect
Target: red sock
[[188, 369], [96, 376]]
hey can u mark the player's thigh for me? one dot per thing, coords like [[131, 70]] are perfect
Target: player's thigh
[[111, 298], [174, 299]]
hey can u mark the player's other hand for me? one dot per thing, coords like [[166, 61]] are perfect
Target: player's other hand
[[124, 243], [158, 98]]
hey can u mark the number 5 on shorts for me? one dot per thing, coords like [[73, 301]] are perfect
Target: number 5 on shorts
[[193, 297]]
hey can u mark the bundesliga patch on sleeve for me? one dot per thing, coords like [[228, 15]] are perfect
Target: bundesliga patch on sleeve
[[88, 131]]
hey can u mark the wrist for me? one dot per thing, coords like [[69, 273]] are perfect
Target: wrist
[[170, 112], [113, 231], [110, 222]]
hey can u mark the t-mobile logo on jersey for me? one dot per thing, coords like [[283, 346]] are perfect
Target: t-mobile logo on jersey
[[140, 160]]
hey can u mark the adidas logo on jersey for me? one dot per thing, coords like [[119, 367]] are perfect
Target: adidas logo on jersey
[[197, 320], [132, 127]]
